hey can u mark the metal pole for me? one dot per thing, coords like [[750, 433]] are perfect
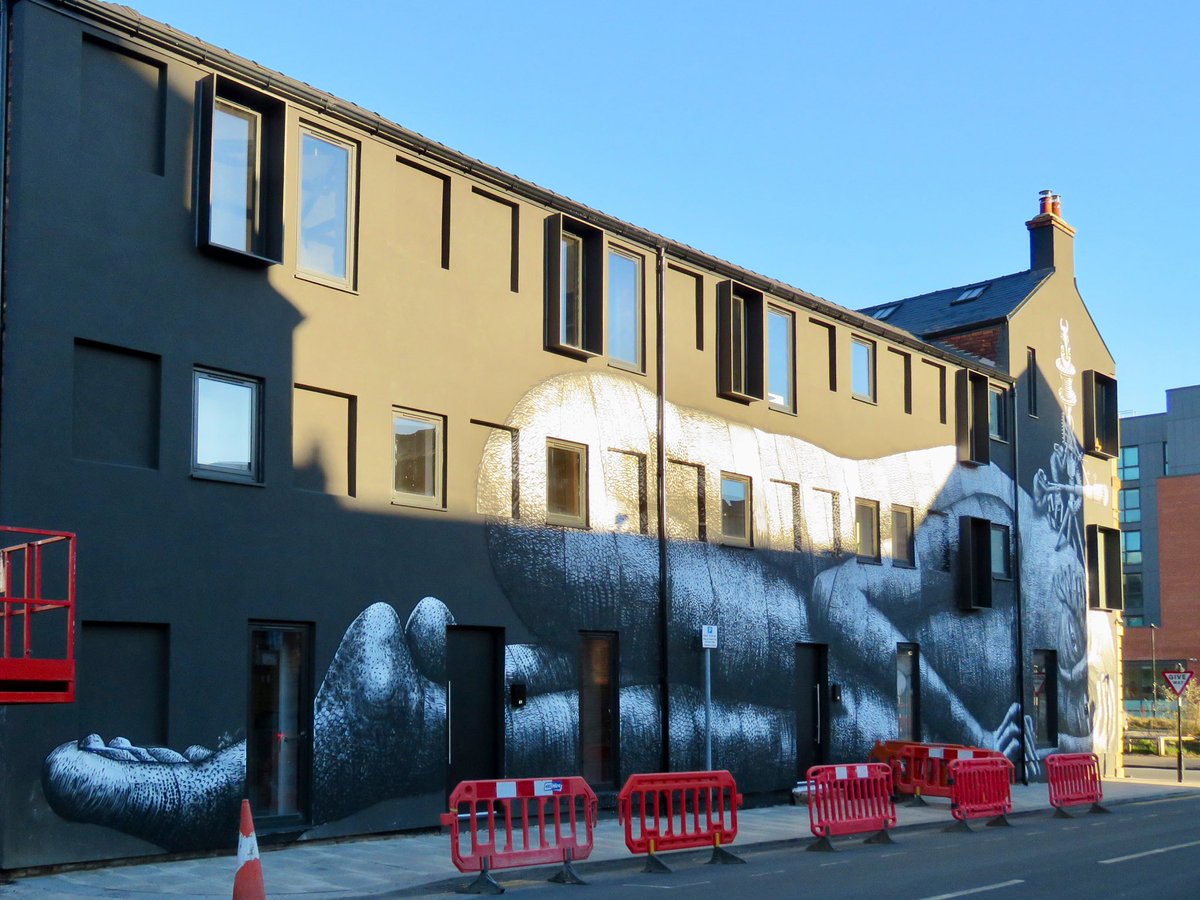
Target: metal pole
[[1179, 736], [1153, 671], [708, 709]]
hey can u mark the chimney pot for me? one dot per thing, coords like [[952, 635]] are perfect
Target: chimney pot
[[1045, 198], [1056, 205]]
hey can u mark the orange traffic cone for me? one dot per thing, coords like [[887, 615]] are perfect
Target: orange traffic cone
[[248, 883]]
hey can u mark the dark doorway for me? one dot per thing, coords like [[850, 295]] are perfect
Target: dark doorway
[[279, 745], [908, 692], [475, 720], [812, 706], [599, 713]]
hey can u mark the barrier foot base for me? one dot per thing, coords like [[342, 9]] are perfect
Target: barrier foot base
[[723, 857], [959, 825], [1060, 813], [1000, 821], [1097, 808], [880, 837], [567, 874], [656, 866], [484, 884], [917, 800], [821, 845]]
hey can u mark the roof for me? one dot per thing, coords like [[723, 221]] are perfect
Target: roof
[[953, 309]]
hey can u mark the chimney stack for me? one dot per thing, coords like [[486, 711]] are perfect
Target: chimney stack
[[1051, 239]]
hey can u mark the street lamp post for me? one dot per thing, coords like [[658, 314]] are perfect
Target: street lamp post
[[1153, 671]]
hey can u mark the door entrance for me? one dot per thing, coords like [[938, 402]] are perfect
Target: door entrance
[[812, 706], [474, 716], [908, 692], [598, 710], [279, 748]]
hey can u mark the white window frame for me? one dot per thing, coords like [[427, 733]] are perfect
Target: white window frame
[[437, 499], [351, 148], [856, 341], [746, 538], [580, 520]]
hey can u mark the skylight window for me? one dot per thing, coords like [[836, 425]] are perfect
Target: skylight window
[[971, 293], [884, 311]]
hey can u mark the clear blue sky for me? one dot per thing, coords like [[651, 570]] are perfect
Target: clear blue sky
[[864, 153]]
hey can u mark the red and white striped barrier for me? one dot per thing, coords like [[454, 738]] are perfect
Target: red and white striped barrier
[[850, 799]]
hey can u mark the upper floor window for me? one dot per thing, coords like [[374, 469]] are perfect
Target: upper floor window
[[240, 149], [575, 262], [862, 363], [1104, 567], [625, 307], [1100, 426], [1134, 597], [1130, 501], [570, 300], [1001, 558], [1131, 548], [1031, 382], [975, 565], [903, 552], [997, 414], [866, 529], [781, 358], [417, 458], [972, 428], [566, 483], [739, 341], [735, 509], [226, 425], [1128, 464], [327, 173]]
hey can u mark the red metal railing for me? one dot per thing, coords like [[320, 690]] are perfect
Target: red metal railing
[[41, 667], [981, 787], [1074, 778], [679, 811], [520, 822], [850, 799]]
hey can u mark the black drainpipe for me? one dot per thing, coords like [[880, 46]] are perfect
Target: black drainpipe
[[660, 480], [1018, 582]]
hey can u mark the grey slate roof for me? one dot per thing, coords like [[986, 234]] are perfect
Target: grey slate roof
[[938, 313]]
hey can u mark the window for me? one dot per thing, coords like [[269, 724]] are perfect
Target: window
[[735, 509], [1134, 597], [884, 311], [241, 172], [1031, 382], [418, 458], [970, 293], [908, 680], [1104, 567], [1130, 502], [1100, 427], [566, 483], [903, 551], [1001, 558], [326, 207], [866, 529], [625, 307], [571, 292], [226, 425], [1045, 698], [971, 425], [997, 414], [781, 358], [862, 367], [1131, 548], [974, 563], [1166, 461], [575, 287], [1128, 467], [740, 342]]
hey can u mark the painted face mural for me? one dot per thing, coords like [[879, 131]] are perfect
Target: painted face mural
[[380, 714]]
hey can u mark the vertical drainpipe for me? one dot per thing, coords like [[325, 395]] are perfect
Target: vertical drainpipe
[[660, 481], [1017, 582], [5, 113]]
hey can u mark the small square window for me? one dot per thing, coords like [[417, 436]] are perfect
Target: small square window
[[736, 510], [903, 553], [862, 362], [566, 483], [1001, 558], [226, 418], [866, 529], [625, 307], [418, 458], [326, 197], [997, 414], [781, 359]]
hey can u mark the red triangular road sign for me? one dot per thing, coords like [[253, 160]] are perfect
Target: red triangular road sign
[[1178, 680]]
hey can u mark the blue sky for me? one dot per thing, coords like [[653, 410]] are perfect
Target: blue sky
[[864, 153]]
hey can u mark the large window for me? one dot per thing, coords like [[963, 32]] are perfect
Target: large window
[[418, 455], [1100, 426], [866, 529], [226, 425], [974, 563], [902, 536], [566, 483], [1130, 500], [575, 263], [1104, 567], [1045, 698], [862, 365], [1131, 548], [240, 153], [781, 358], [739, 342], [1001, 556], [972, 429], [1128, 465], [326, 207], [625, 307], [735, 509]]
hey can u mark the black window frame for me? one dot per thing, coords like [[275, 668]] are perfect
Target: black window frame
[[1104, 568], [909, 559], [593, 260], [1101, 425], [971, 417], [752, 327], [974, 563]]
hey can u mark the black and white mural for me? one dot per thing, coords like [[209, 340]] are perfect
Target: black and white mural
[[380, 712]]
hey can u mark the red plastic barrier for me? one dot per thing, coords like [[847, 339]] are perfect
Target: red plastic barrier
[[980, 787], [925, 768], [1074, 778], [850, 799], [551, 820], [679, 811]]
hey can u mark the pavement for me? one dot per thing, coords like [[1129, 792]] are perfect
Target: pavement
[[415, 864]]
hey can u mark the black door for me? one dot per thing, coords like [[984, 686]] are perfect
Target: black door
[[598, 708], [475, 719], [812, 706], [279, 742]]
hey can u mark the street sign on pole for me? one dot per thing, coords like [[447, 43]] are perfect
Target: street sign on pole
[[708, 637], [1178, 681]]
